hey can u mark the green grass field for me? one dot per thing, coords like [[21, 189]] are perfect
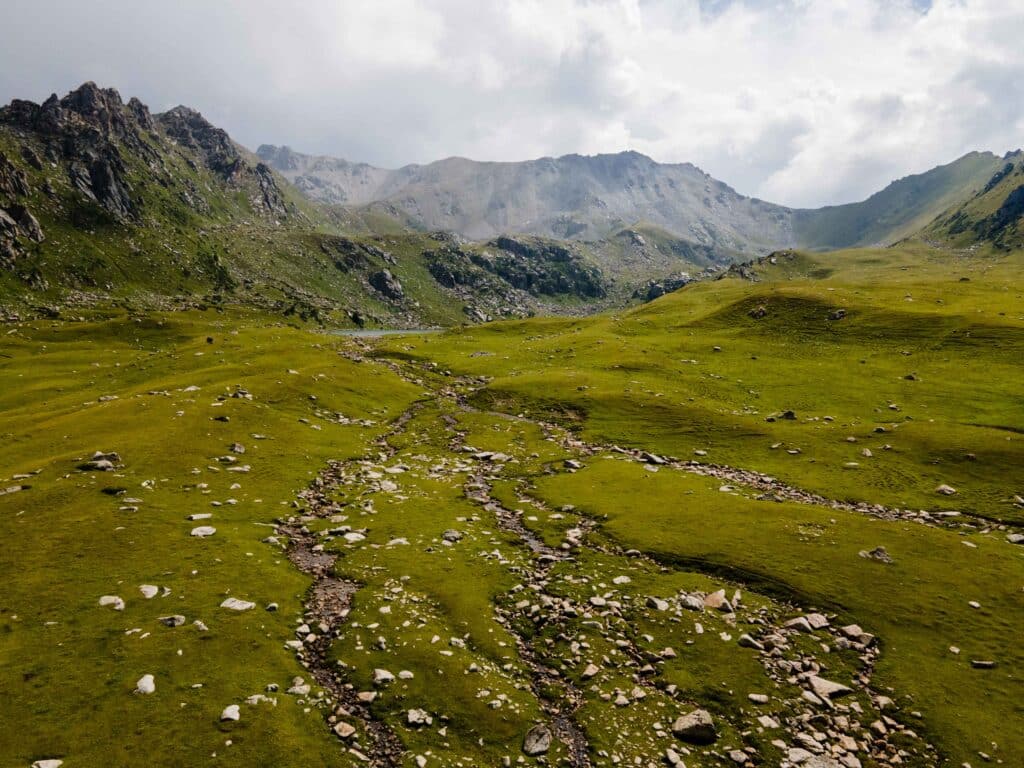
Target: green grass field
[[916, 383]]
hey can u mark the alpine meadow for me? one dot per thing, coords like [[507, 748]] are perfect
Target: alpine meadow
[[587, 460]]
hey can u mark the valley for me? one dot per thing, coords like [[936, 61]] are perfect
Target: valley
[[581, 461], [552, 539]]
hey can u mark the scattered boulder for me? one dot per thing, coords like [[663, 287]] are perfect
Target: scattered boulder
[[231, 712], [945, 490], [145, 685], [234, 604], [112, 601], [417, 718], [697, 727], [344, 730], [203, 531], [387, 285], [878, 554], [828, 689], [537, 740]]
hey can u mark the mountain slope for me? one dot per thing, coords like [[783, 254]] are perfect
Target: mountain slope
[[897, 211], [102, 202], [593, 198], [995, 214], [570, 197]]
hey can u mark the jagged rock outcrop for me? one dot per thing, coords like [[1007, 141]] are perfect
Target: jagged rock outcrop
[[84, 132], [543, 268], [188, 128], [18, 226], [657, 288], [387, 285], [106, 146], [13, 181]]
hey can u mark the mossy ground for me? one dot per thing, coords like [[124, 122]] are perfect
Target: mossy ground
[[69, 666]]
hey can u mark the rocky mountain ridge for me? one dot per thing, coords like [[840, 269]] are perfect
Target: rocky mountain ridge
[[569, 197], [103, 202], [576, 197]]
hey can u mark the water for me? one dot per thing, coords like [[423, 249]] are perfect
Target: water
[[371, 333]]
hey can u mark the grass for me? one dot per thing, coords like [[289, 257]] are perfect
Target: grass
[[68, 666], [648, 377], [918, 605], [923, 371], [651, 377]]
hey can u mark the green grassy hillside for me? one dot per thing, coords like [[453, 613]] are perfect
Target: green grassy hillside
[[993, 215], [867, 377], [102, 202], [899, 210], [540, 542]]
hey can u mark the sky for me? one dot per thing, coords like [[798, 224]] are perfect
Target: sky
[[800, 102]]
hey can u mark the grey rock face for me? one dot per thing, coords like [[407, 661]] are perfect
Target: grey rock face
[[387, 284], [569, 197]]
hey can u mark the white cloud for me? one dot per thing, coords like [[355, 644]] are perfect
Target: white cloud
[[803, 102]]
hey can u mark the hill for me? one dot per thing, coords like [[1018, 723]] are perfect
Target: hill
[[994, 214], [897, 211]]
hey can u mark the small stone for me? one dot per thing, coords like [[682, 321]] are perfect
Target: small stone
[[657, 604], [877, 554], [344, 730], [827, 689], [112, 601], [746, 641], [145, 685], [234, 604], [417, 718], [149, 591], [231, 712], [203, 531]]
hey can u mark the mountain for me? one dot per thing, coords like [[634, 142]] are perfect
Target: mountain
[[569, 197], [897, 211], [102, 202], [592, 198], [995, 214]]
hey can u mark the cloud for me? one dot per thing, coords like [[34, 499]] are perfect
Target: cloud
[[803, 102]]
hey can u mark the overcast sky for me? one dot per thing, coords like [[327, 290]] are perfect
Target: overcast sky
[[801, 102]]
